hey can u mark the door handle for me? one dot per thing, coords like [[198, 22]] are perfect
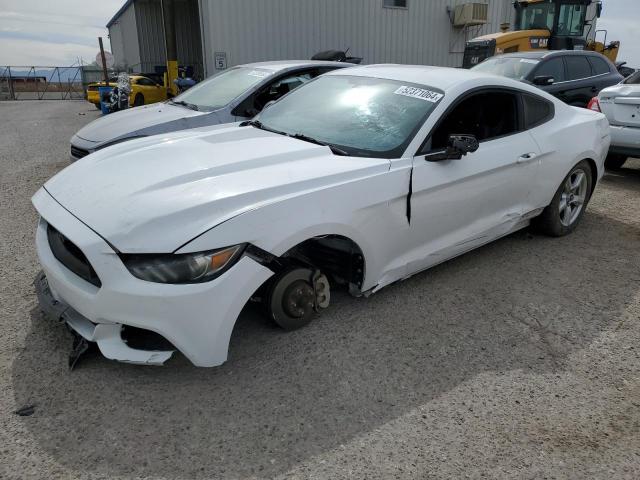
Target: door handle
[[594, 90], [526, 157]]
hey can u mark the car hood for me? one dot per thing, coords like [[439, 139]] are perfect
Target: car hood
[[119, 124], [156, 194]]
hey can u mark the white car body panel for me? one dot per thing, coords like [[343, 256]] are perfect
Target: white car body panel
[[196, 191], [621, 105]]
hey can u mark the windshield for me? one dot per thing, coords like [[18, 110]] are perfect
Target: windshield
[[219, 90], [367, 117], [535, 16], [571, 20], [512, 67]]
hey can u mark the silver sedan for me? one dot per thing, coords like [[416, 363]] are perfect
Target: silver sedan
[[230, 96]]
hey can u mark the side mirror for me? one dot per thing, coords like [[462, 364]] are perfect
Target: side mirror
[[268, 104], [544, 80], [458, 147]]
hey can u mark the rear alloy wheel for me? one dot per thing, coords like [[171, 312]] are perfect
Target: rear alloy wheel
[[138, 100], [569, 203], [615, 161], [295, 295]]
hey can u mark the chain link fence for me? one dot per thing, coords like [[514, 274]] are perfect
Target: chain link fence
[[68, 83], [46, 83]]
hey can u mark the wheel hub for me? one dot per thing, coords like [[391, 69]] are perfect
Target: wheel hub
[[296, 295], [573, 197], [298, 299]]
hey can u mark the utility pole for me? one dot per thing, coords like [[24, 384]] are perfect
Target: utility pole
[[104, 63], [168, 19]]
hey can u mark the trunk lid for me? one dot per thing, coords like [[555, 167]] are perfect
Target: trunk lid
[[621, 104]]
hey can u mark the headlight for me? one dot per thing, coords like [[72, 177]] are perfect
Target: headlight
[[184, 267]]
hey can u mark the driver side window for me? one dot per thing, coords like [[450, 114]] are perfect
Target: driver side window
[[485, 115], [553, 67]]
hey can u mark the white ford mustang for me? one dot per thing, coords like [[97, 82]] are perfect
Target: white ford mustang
[[358, 179]]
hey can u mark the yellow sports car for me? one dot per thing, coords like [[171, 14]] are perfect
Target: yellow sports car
[[143, 91]]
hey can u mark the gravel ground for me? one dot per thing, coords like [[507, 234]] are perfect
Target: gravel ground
[[518, 360]]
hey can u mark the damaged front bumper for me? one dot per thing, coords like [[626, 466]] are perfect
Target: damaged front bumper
[[195, 319], [107, 336]]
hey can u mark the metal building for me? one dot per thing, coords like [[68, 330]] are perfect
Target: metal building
[[137, 35], [381, 31], [213, 35]]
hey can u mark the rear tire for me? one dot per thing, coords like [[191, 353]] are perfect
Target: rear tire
[[138, 100], [615, 161], [563, 214]]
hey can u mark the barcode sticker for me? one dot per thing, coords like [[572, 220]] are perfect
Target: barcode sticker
[[419, 93], [258, 73]]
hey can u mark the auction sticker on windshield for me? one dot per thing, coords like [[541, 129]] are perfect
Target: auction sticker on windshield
[[258, 73], [420, 93]]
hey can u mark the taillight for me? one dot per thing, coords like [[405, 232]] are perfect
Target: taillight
[[594, 105]]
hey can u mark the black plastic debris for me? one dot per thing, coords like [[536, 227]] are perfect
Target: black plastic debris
[[80, 346], [26, 411]]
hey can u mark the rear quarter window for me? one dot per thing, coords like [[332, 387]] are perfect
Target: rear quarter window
[[536, 110], [599, 65]]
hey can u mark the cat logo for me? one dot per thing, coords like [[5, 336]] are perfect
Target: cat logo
[[538, 43], [475, 60]]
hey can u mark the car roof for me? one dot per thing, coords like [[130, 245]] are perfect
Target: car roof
[[279, 65], [443, 78], [550, 53]]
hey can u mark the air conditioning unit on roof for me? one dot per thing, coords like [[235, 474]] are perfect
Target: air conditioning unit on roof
[[469, 14]]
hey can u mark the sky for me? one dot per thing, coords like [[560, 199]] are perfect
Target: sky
[[53, 32], [59, 32], [621, 19]]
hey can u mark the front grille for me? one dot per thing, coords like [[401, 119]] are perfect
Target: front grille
[[78, 152], [69, 255]]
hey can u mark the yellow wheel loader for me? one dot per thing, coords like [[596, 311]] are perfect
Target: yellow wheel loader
[[543, 25]]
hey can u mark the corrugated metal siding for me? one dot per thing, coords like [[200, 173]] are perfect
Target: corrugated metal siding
[[151, 33], [123, 36], [189, 43], [256, 30]]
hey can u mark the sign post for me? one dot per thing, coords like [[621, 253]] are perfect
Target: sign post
[[103, 60]]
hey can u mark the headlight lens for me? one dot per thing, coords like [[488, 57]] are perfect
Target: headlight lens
[[184, 267]]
